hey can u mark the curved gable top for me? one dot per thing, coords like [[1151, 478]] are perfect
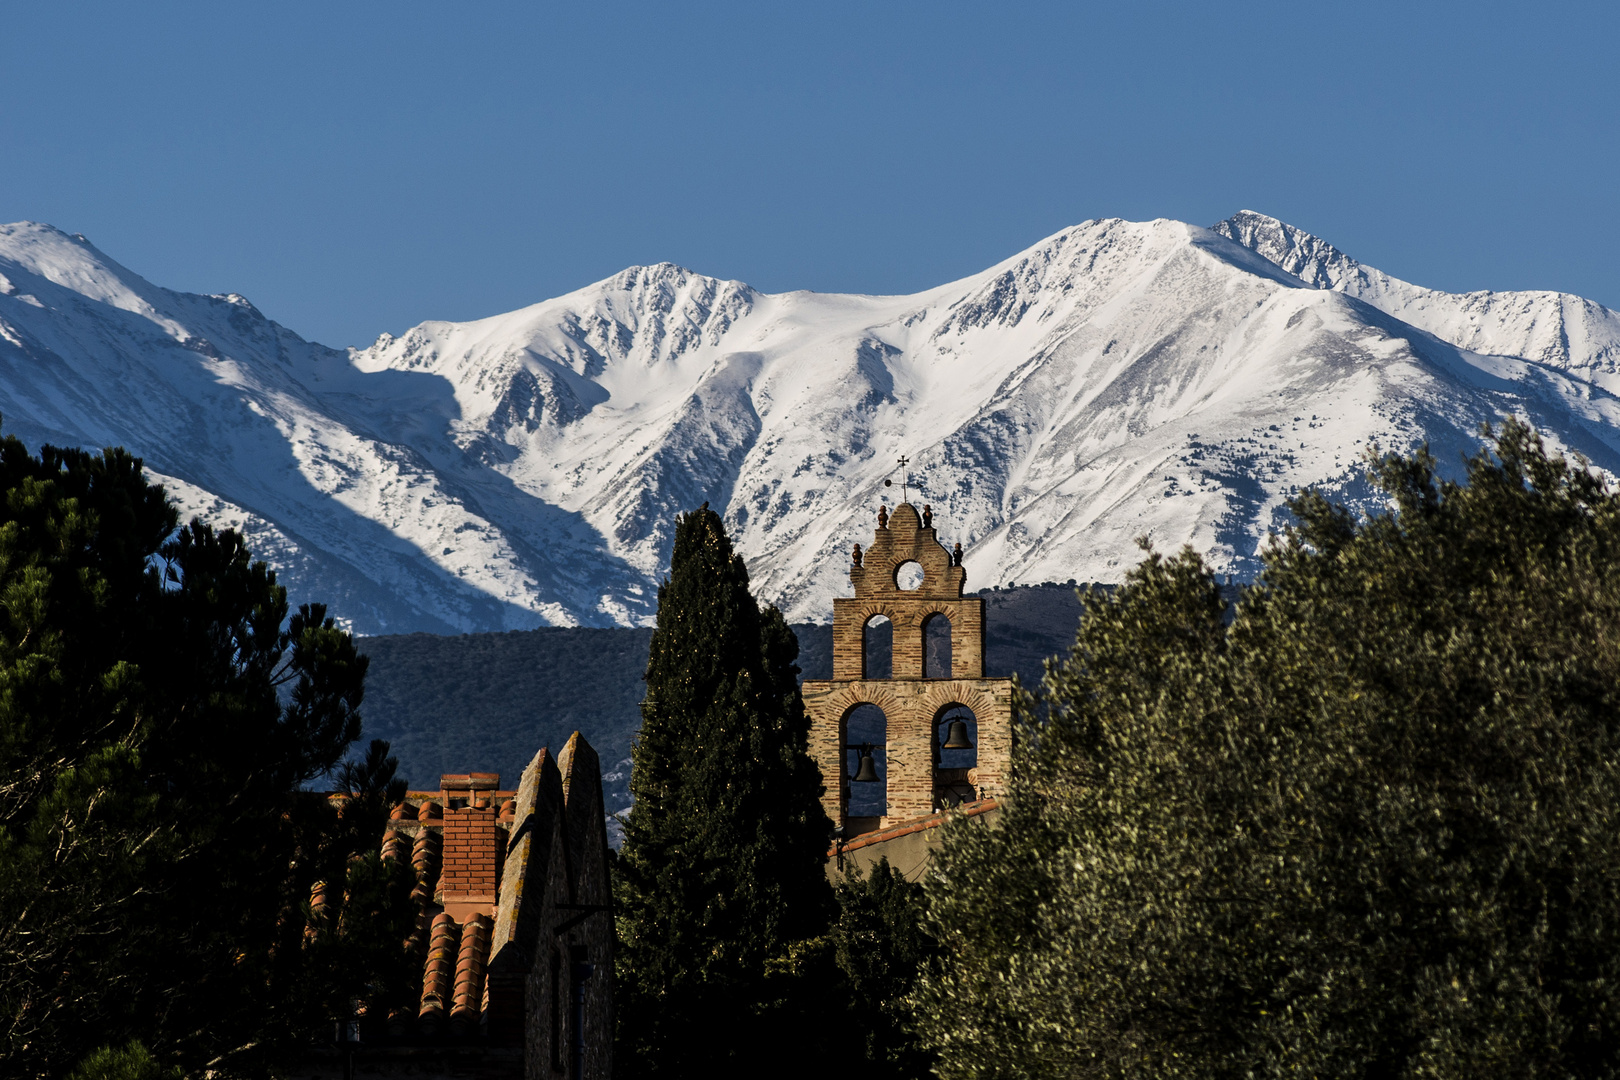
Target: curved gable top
[[901, 538]]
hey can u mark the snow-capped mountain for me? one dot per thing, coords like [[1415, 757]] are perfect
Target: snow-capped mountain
[[1118, 379], [1552, 328]]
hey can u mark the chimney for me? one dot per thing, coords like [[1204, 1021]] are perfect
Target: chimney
[[474, 844]]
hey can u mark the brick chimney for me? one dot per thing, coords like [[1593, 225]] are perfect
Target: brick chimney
[[474, 844]]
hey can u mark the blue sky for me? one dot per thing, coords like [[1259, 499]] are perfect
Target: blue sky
[[356, 167]]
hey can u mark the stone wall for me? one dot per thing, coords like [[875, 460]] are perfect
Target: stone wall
[[569, 986]]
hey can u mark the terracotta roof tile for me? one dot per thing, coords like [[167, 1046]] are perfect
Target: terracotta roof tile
[[913, 825], [439, 974], [467, 1004], [396, 846], [463, 840]]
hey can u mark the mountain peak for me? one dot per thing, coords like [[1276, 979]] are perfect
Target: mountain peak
[[1114, 380], [1309, 258]]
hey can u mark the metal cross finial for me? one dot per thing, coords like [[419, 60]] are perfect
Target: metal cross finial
[[904, 461]]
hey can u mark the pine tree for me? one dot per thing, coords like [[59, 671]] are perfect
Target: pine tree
[[160, 718], [722, 866]]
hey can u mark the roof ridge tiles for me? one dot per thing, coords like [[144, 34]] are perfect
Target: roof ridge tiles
[[913, 825]]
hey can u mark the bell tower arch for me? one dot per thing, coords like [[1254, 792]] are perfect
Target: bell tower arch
[[907, 576]]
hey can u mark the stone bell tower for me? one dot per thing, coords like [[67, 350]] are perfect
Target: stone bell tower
[[907, 576]]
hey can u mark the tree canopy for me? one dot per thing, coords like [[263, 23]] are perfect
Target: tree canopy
[[160, 718], [1365, 825]]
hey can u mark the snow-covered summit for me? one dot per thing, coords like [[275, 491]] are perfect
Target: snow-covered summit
[[1554, 328], [1116, 379]]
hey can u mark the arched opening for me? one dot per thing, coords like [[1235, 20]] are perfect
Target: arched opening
[[937, 646], [877, 648], [956, 750], [866, 732], [908, 576]]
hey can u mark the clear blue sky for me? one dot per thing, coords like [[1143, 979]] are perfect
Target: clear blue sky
[[355, 167]]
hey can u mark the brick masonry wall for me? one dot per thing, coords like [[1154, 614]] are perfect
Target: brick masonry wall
[[474, 843], [473, 848], [911, 707], [910, 703]]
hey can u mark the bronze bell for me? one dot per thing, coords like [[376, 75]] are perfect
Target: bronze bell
[[956, 737], [867, 772]]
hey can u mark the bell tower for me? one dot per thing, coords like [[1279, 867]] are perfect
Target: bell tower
[[938, 710]]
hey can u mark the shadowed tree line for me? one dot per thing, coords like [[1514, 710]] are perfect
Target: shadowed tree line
[[161, 713]]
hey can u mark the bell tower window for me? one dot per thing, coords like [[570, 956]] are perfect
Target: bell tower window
[[937, 647], [877, 647], [866, 759], [956, 741], [911, 640]]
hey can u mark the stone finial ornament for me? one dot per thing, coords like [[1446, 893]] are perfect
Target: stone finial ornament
[[928, 516], [956, 554], [883, 517], [857, 554]]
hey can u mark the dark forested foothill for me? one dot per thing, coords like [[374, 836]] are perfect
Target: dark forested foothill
[[160, 717], [484, 702], [447, 703], [1368, 825]]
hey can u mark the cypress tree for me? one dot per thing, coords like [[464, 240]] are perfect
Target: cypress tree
[[721, 871]]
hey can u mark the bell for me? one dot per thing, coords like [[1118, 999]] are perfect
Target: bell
[[867, 773], [956, 737]]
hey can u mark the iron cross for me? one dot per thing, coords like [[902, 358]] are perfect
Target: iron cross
[[904, 461]]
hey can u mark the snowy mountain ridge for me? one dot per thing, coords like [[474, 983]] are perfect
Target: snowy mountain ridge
[[1554, 328], [1117, 379]]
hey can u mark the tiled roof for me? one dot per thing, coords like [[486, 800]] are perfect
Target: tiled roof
[[913, 825], [456, 839], [500, 878]]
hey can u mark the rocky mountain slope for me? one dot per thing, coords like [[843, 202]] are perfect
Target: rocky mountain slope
[[1115, 380]]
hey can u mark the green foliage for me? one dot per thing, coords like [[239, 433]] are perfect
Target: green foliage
[[1370, 828], [158, 722], [131, 1062], [882, 948], [721, 870]]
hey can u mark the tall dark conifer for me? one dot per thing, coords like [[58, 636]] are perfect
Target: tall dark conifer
[[721, 871]]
